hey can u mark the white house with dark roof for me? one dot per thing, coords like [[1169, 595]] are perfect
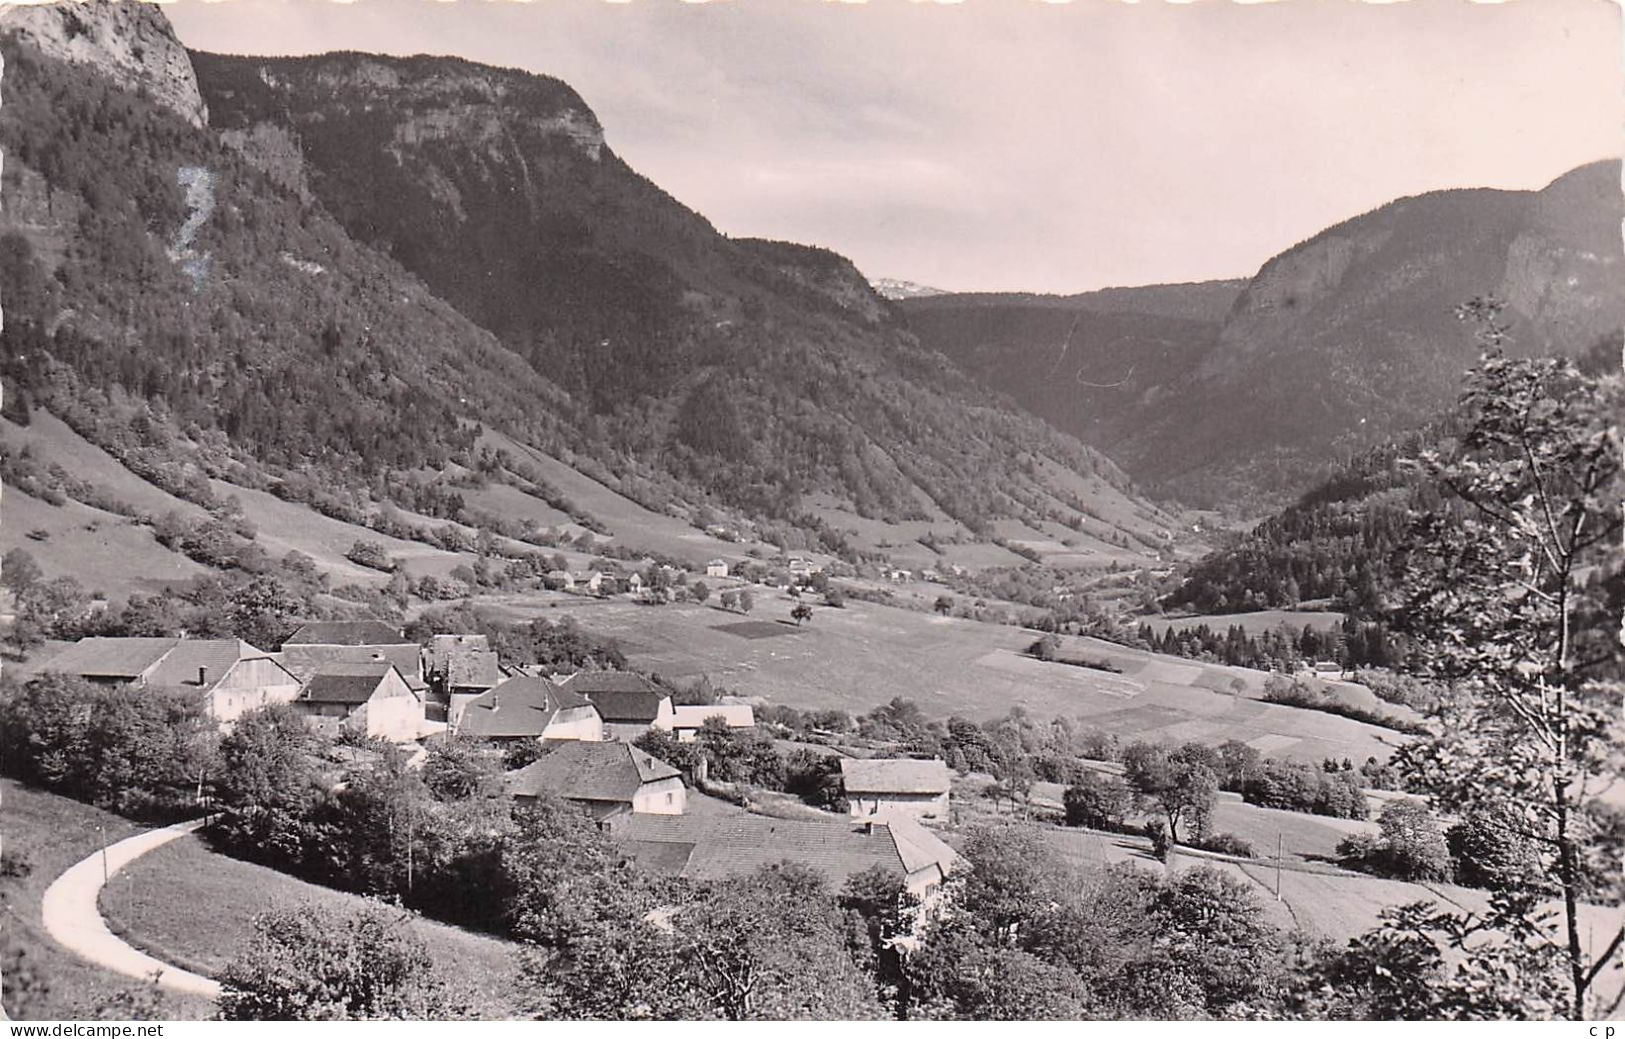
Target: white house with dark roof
[[229, 675], [319, 643], [688, 719], [608, 778], [527, 707], [369, 697], [716, 568], [713, 845], [629, 703], [896, 787]]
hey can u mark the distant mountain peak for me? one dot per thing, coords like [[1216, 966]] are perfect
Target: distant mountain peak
[[897, 288]]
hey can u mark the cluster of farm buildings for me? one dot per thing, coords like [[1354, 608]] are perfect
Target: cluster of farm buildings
[[365, 678]]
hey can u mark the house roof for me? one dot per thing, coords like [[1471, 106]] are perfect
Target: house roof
[[127, 658], [162, 663], [627, 705], [591, 683], [180, 666], [472, 669], [583, 771], [346, 681], [306, 660], [524, 705], [894, 776], [693, 716], [704, 847], [344, 633]]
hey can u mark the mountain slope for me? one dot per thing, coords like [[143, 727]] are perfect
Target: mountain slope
[[1090, 364], [208, 297], [1335, 345], [757, 372]]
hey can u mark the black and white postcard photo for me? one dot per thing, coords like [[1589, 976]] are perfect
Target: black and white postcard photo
[[551, 511]]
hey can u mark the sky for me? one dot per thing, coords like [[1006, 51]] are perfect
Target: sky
[[1025, 145]]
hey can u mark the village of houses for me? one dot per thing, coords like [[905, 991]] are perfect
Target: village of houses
[[363, 678]]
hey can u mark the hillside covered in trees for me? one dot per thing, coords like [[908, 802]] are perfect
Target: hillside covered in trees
[[200, 287]]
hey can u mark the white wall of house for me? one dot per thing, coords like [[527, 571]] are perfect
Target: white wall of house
[[662, 797], [458, 702], [913, 806], [576, 723], [625, 732], [249, 685], [394, 712]]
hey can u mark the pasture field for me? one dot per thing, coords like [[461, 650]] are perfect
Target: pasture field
[[195, 908], [500, 499], [1252, 623], [47, 834], [863, 655], [55, 441], [103, 552], [627, 521], [286, 526]]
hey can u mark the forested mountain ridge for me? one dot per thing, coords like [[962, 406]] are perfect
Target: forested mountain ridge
[[1090, 364], [230, 287], [758, 371], [1343, 539], [1335, 345]]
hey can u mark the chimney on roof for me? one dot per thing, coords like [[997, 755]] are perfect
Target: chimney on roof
[[202, 676], [377, 656], [869, 826]]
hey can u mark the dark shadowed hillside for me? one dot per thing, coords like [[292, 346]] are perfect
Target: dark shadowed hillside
[[354, 272], [1091, 364], [1336, 344], [755, 372]]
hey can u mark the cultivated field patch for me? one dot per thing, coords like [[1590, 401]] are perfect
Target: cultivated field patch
[[757, 629]]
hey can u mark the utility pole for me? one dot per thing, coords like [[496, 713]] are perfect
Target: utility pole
[[1280, 841], [101, 828]]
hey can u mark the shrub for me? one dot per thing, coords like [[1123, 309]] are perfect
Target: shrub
[[370, 554], [1226, 844]]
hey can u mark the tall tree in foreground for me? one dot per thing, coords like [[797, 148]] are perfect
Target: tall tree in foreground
[[1507, 594]]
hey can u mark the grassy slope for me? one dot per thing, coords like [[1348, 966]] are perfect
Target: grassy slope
[[52, 833], [195, 908], [1253, 623], [628, 522], [863, 655], [285, 526], [116, 558]]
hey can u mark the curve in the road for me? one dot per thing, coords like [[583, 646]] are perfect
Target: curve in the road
[[74, 920]]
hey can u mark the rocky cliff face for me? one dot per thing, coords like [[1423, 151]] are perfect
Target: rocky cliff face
[[129, 41]]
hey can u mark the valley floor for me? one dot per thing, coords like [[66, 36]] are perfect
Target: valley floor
[[864, 654]]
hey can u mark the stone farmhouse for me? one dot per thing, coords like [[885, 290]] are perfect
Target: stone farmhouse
[[608, 779], [629, 704], [528, 707], [688, 719], [228, 675], [320, 642], [369, 697], [713, 845], [896, 787]]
